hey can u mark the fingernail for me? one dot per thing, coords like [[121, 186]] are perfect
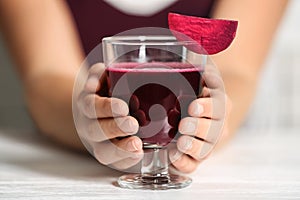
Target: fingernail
[[129, 126], [198, 109], [186, 143], [188, 127], [132, 145], [92, 83], [119, 108], [175, 155]]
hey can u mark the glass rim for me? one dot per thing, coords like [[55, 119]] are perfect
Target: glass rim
[[161, 40]]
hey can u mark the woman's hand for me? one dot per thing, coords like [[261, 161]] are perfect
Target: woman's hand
[[203, 128], [102, 121]]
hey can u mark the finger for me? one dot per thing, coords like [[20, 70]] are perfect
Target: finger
[[211, 68], [205, 92], [92, 84], [207, 107], [195, 126], [212, 80], [94, 106], [193, 147], [94, 76], [109, 128], [110, 152], [202, 128], [97, 69], [182, 162], [210, 92]]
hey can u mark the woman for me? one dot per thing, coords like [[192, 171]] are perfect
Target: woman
[[49, 40]]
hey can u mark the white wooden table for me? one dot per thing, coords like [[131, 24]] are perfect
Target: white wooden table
[[252, 166]]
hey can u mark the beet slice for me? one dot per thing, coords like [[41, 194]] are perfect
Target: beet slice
[[212, 35]]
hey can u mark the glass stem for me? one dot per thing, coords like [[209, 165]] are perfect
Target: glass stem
[[155, 166]]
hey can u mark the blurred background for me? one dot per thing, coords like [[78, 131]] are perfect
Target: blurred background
[[277, 102], [275, 107]]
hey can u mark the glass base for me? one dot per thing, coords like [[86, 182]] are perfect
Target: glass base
[[137, 181]]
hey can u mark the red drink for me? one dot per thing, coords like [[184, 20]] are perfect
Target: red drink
[[158, 95]]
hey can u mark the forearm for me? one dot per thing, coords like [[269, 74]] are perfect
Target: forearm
[[241, 90], [49, 99], [240, 65], [45, 46]]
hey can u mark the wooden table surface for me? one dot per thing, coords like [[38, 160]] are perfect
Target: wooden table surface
[[253, 166]]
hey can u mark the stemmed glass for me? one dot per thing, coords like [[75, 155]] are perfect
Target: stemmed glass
[[158, 77]]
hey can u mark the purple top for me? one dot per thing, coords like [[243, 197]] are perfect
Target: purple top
[[96, 19]]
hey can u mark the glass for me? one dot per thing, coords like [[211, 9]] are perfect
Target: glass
[[158, 77]]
